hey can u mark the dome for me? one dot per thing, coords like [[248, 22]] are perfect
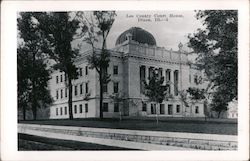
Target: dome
[[138, 34]]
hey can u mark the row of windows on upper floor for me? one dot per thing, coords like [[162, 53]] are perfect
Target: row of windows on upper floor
[[65, 110], [79, 87], [196, 79], [80, 73]]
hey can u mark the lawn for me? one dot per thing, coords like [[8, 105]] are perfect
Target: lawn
[[227, 127], [31, 142]]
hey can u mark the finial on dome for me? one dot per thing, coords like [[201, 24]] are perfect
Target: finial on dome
[[180, 46]]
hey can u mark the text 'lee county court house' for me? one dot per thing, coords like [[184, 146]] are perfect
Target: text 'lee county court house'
[[132, 60]]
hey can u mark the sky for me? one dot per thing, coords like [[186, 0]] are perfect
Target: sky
[[173, 29]]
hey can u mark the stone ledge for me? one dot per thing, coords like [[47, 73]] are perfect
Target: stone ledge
[[187, 140]]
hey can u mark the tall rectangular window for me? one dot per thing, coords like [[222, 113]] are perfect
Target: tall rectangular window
[[75, 108], [115, 69], [168, 75], [170, 109], [105, 107], [162, 108], [75, 90], [65, 77], [142, 78], [57, 79], [80, 106], [86, 108], [176, 79], [116, 107], [66, 92], [57, 94], [61, 110], [196, 109], [80, 72], [61, 78], [65, 110], [178, 108], [80, 88], [61, 93], [87, 88], [56, 111], [153, 108], [144, 106], [86, 70], [105, 87], [116, 87]]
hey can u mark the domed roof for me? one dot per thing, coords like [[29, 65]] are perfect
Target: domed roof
[[138, 34]]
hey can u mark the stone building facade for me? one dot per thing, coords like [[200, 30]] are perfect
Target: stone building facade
[[133, 59]]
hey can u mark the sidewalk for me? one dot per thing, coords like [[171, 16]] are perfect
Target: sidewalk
[[107, 142]]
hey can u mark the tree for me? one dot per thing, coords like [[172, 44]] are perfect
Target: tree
[[217, 50], [94, 30], [59, 30], [155, 90], [33, 74]]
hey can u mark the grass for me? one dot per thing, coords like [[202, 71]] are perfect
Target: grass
[[31, 142], [227, 127]]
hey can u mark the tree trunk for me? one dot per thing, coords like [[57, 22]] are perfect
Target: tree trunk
[[219, 114], [33, 106], [70, 99], [101, 93]]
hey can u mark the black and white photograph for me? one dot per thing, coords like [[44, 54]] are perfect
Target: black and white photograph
[[110, 80]]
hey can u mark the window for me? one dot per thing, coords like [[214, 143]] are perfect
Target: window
[[116, 87], [190, 78], [61, 110], [80, 88], [116, 107], [86, 88], [61, 93], [80, 106], [65, 77], [168, 75], [105, 87], [80, 72], [162, 109], [153, 108], [170, 109], [86, 108], [66, 92], [65, 110], [57, 94], [196, 109], [86, 70], [196, 81], [75, 109], [176, 79], [57, 79], [105, 107], [178, 109], [115, 69], [75, 90], [160, 72], [61, 78], [144, 106], [56, 111]]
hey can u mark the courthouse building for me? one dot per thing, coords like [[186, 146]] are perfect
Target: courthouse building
[[133, 59]]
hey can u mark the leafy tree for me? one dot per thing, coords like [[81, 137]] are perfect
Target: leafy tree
[[155, 90], [94, 29], [217, 50], [59, 30], [32, 72]]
